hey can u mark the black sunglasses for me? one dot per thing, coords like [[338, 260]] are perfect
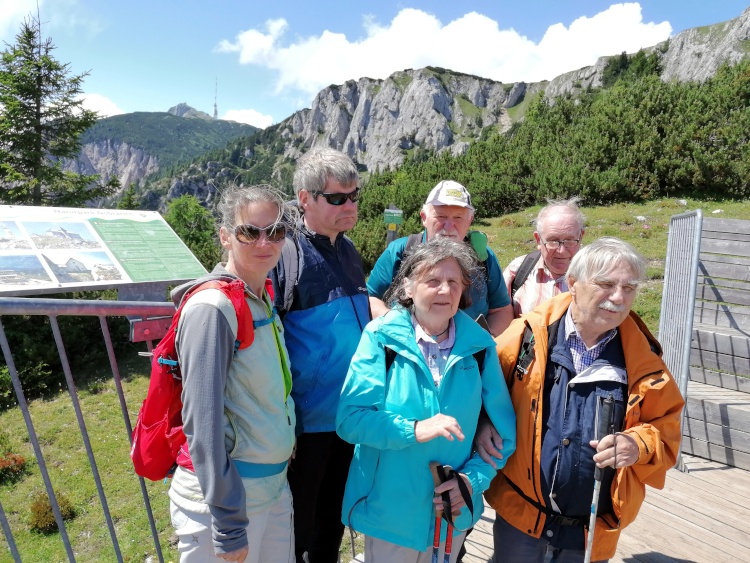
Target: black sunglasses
[[249, 234], [338, 199]]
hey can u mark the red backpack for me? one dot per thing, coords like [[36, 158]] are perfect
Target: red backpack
[[158, 440]]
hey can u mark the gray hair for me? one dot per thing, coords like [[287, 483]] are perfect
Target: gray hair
[[594, 261], [423, 258], [560, 206], [236, 197], [318, 165]]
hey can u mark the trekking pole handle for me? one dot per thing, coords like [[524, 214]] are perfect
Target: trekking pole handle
[[437, 480], [602, 429]]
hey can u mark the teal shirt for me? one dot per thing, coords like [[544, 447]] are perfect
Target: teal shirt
[[486, 294]]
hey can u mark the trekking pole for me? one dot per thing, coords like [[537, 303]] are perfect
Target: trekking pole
[[605, 414], [437, 480]]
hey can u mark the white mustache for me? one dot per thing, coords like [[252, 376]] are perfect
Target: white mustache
[[609, 306], [444, 233]]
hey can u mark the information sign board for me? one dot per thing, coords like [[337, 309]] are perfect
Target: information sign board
[[54, 249], [393, 216]]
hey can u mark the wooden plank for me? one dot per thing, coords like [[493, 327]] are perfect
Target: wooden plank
[[712, 224], [704, 259], [701, 515], [725, 283], [663, 533], [724, 269], [716, 478], [726, 341], [727, 247], [716, 235], [716, 453], [722, 294], [718, 379], [721, 362], [719, 411], [725, 436], [722, 315]]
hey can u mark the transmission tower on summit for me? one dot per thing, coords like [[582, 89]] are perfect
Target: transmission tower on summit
[[216, 93]]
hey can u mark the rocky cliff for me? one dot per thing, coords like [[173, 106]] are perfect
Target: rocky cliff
[[110, 158], [694, 54], [379, 122]]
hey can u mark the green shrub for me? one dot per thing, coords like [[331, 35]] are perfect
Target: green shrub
[[43, 518]]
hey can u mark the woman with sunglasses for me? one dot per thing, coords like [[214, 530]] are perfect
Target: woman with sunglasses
[[237, 410]]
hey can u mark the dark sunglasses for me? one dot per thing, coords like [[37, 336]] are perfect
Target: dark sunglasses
[[249, 234], [338, 199]]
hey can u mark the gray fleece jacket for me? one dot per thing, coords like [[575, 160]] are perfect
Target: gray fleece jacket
[[235, 407]]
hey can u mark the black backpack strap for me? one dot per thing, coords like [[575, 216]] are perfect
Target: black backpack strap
[[290, 259], [524, 270], [479, 357], [390, 356], [525, 355], [412, 241]]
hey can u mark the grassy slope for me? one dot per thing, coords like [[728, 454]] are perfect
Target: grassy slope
[[55, 421]]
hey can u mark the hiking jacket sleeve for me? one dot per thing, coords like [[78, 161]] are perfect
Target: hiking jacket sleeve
[[385, 268], [205, 347]]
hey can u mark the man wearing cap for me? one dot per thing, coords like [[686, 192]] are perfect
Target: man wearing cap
[[448, 213]]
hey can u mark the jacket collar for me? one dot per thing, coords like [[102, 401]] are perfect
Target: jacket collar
[[642, 350], [396, 331]]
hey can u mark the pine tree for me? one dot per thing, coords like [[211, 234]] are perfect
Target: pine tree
[[129, 199], [195, 225], [41, 122]]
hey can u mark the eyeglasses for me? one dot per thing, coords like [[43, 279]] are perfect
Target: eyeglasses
[[555, 244], [250, 234], [338, 198]]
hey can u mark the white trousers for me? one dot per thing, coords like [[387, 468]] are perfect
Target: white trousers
[[379, 551], [270, 534]]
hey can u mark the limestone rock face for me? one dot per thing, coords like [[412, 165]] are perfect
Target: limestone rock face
[[691, 55], [696, 54], [110, 158], [376, 121]]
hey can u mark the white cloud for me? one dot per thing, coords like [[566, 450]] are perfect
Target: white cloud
[[249, 116], [12, 13], [101, 104], [473, 44]]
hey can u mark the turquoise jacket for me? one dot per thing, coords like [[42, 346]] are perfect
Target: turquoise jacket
[[389, 490]]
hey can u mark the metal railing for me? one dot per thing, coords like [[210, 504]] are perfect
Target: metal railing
[[52, 308], [678, 297]]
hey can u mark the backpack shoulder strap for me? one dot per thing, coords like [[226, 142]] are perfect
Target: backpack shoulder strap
[[390, 357], [290, 258], [523, 271], [412, 241], [525, 355], [479, 358], [235, 292]]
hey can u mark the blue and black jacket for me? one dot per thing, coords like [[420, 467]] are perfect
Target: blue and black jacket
[[323, 324]]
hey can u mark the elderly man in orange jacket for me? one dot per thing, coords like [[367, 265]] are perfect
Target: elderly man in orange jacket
[[561, 362]]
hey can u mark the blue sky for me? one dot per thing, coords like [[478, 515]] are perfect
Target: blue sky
[[271, 58]]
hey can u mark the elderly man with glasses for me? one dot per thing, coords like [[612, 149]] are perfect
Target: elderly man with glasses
[[539, 275], [320, 293]]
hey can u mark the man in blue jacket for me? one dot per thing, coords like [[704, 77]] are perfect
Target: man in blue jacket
[[318, 282], [448, 213]]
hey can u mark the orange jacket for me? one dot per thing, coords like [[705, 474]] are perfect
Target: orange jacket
[[652, 418]]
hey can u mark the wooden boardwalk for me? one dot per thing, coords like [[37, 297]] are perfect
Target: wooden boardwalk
[[702, 516]]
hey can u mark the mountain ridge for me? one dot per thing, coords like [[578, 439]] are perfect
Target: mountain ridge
[[382, 122]]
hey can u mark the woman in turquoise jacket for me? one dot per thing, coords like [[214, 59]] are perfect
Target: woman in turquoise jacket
[[418, 406]]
